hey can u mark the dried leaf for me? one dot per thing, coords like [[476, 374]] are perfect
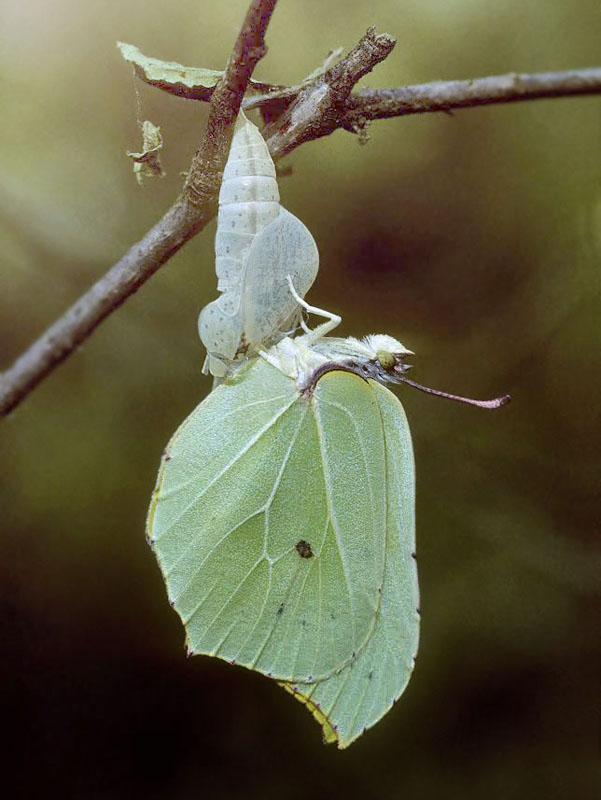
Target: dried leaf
[[147, 164], [192, 82]]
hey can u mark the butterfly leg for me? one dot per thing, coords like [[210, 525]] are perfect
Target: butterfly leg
[[333, 320]]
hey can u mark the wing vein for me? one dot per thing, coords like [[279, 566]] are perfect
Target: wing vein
[[267, 507], [332, 517]]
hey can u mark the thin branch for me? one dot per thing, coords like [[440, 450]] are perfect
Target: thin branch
[[296, 115], [193, 209], [371, 104]]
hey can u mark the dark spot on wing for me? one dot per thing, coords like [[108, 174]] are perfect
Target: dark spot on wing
[[280, 609], [303, 548]]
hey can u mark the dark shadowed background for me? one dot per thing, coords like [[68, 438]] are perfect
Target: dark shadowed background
[[475, 239]]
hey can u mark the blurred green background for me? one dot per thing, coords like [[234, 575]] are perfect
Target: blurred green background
[[475, 239]]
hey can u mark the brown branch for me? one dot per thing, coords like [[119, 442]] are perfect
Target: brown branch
[[297, 115], [369, 104], [189, 214]]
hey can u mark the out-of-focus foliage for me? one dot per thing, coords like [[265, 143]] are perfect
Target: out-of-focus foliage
[[475, 239]]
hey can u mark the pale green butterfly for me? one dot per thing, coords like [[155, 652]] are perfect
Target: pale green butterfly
[[257, 244], [283, 523]]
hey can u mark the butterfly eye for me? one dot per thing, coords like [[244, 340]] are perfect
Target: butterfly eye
[[387, 360]]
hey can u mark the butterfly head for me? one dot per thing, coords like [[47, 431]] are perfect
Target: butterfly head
[[386, 362]]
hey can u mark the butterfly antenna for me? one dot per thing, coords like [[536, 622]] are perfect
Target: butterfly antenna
[[496, 403]]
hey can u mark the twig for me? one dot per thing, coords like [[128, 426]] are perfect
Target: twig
[[189, 214], [312, 110], [371, 104]]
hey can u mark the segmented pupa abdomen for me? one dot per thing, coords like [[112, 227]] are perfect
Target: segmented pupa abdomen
[[248, 201]]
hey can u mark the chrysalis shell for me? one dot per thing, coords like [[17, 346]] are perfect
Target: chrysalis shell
[[258, 243]]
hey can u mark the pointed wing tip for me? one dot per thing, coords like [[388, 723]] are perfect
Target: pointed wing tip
[[330, 736]]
